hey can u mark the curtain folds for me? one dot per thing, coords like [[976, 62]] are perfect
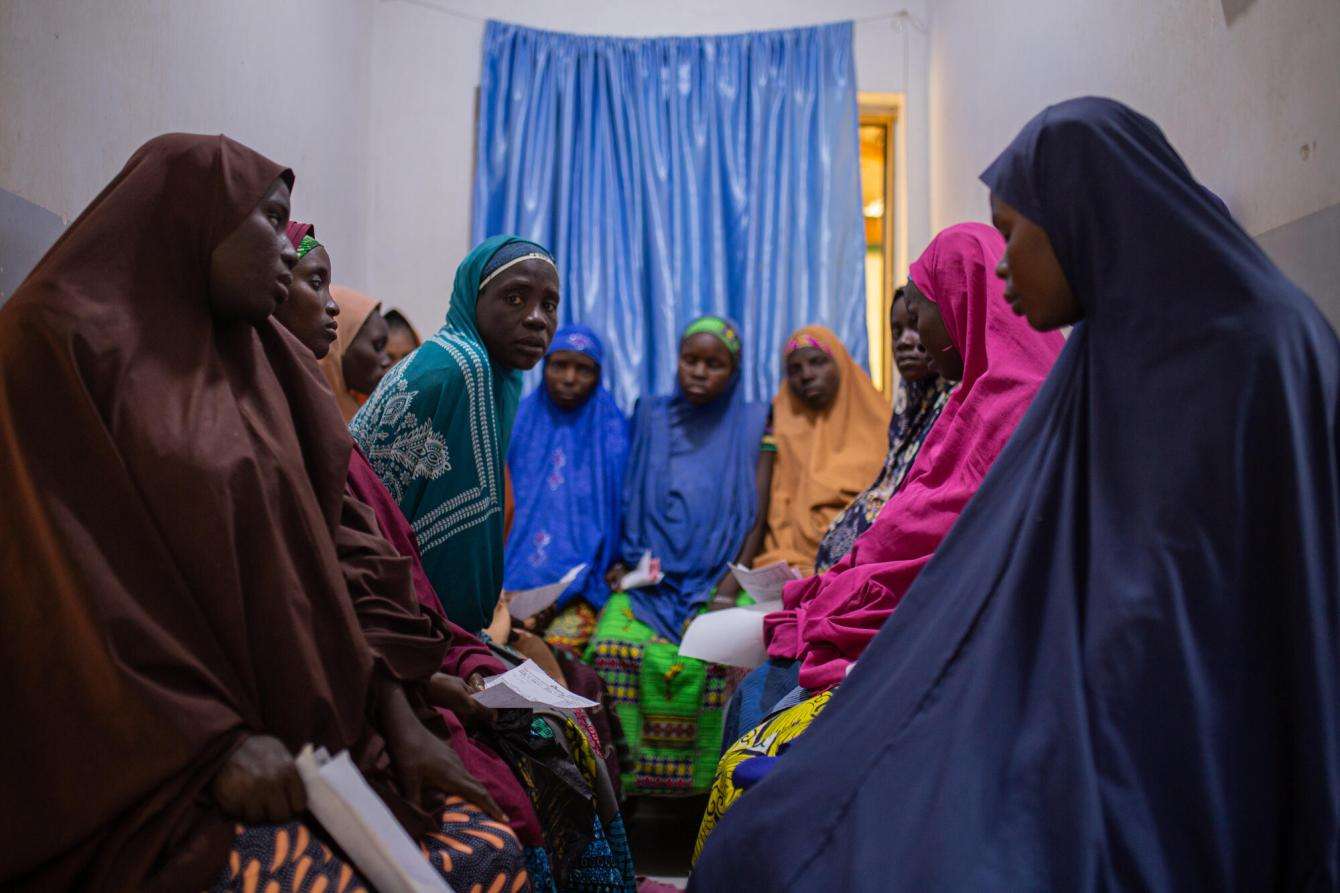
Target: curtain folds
[[678, 176]]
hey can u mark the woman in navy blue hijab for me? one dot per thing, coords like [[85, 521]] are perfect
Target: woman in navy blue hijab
[[1120, 670]]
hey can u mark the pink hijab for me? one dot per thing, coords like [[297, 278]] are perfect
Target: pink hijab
[[827, 620]]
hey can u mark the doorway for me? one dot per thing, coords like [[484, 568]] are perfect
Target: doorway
[[883, 209]]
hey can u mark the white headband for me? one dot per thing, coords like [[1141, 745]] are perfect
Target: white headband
[[534, 255]]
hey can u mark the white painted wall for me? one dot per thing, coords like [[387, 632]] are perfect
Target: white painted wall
[[84, 82], [372, 101], [1239, 101], [425, 71]]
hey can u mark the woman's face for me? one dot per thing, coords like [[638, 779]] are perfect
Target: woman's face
[[812, 376], [1035, 285], [251, 270], [908, 353], [517, 313], [705, 368], [570, 377], [365, 362], [402, 341], [310, 311], [941, 353]]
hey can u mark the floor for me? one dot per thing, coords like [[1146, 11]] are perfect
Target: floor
[[662, 832]]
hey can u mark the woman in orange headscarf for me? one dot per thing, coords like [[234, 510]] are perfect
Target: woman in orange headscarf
[[358, 358], [828, 425]]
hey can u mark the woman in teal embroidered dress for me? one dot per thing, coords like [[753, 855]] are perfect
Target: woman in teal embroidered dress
[[436, 428]]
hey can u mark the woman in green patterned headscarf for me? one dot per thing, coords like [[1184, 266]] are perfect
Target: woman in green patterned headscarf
[[436, 428]]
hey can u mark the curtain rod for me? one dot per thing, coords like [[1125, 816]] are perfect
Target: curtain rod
[[900, 17]]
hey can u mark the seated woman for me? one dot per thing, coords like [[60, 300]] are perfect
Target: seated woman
[[922, 393], [309, 312], [972, 337], [196, 623], [690, 497], [826, 425], [359, 360], [567, 458], [403, 338], [437, 426], [585, 841], [1120, 670]]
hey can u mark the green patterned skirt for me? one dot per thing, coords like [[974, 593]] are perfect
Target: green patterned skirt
[[670, 706]]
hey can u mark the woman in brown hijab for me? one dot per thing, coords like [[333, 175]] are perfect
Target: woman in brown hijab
[[176, 621]]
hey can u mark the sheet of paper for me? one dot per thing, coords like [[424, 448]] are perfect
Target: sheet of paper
[[647, 573], [733, 636], [765, 583], [526, 603], [527, 686], [363, 826]]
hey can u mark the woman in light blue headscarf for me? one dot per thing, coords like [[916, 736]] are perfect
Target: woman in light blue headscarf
[[567, 458], [436, 429]]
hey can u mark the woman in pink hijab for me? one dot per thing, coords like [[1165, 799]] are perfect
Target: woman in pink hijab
[[971, 334]]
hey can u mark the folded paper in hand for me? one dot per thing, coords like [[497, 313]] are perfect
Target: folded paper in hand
[[363, 826], [528, 686], [765, 583], [647, 573], [733, 636], [526, 603]]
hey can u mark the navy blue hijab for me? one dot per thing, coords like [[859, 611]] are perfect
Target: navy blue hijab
[[1120, 671]]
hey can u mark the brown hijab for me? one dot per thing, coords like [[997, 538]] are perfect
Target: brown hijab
[[173, 487]]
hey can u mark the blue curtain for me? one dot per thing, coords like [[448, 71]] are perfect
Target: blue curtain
[[678, 176]]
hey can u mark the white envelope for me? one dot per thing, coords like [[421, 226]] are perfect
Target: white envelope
[[733, 636], [353, 814]]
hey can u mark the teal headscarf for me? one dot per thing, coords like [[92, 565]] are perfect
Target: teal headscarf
[[436, 431]]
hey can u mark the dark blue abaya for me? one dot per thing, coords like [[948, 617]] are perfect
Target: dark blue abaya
[[1120, 670]]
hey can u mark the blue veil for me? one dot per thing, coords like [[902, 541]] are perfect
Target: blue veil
[[1120, 669], [567, 472], [689, 497]]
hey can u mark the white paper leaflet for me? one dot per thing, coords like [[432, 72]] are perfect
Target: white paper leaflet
[[526, 603], [339, 797], [528, 686], [647, 573], [765, 583], [733, 636]]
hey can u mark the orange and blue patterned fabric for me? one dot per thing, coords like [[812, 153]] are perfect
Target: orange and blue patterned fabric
[[471, 852]]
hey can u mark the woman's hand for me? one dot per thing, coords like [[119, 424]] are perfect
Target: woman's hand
[[500, 628], [728, 592], [260, 783], [618, 570], [454, 693], [424, 765]]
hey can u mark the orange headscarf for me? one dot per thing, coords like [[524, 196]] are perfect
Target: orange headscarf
[[355, 308], [824, 459]]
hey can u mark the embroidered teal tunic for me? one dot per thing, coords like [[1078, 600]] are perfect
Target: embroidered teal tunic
[[436, 431]]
